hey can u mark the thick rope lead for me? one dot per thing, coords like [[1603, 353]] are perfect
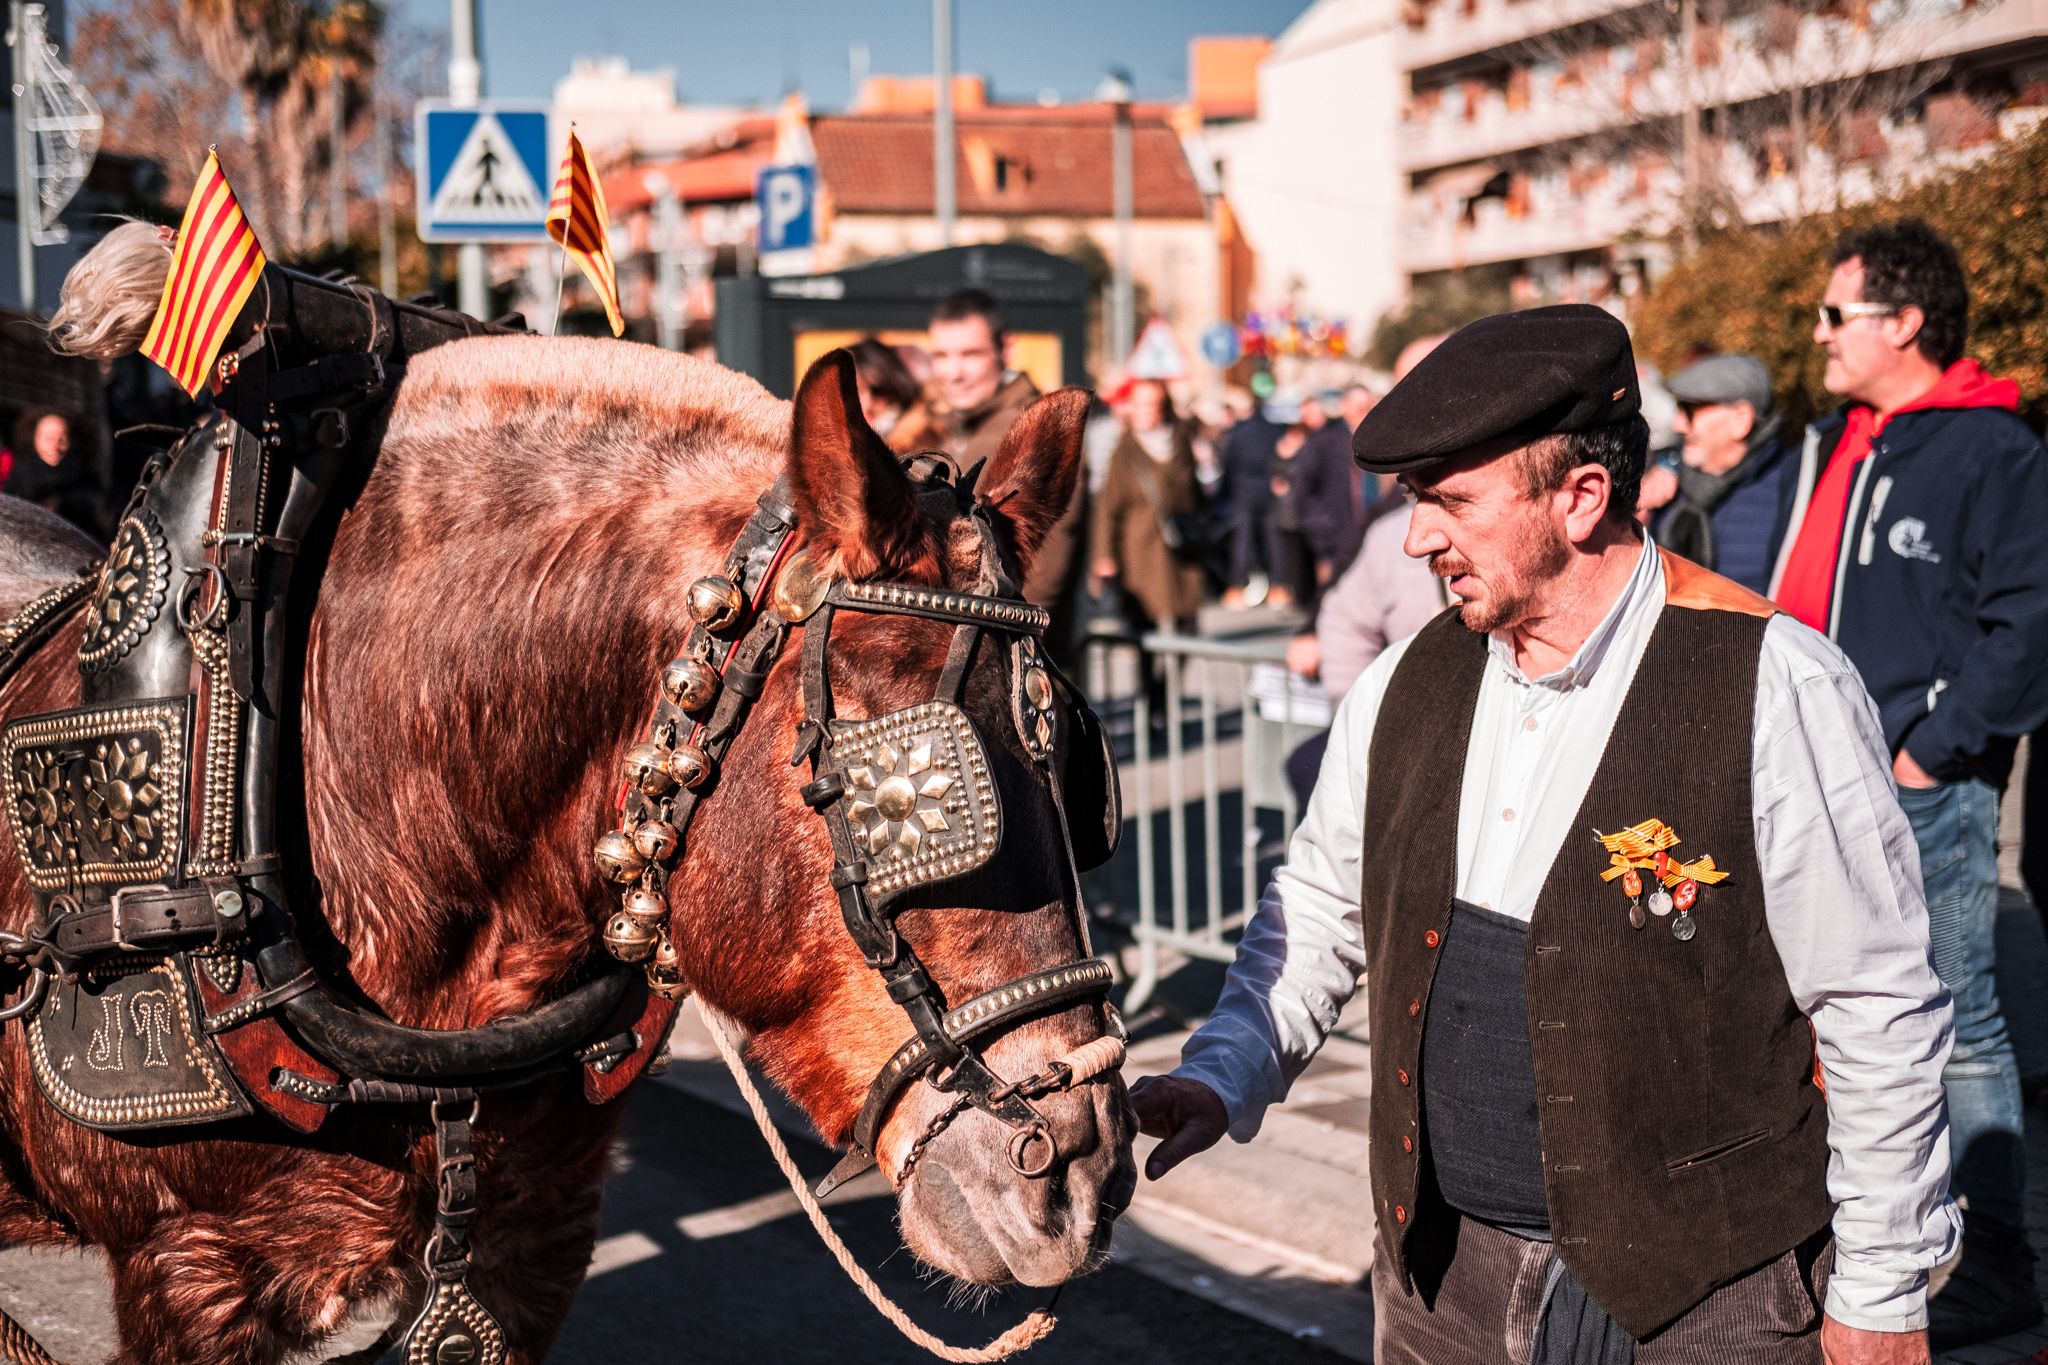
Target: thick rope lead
[[1092, 1059], [1025, 1334]]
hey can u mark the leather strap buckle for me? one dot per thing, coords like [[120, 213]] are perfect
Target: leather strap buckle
[[143, 917]]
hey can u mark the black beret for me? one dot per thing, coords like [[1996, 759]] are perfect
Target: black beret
[[1500, 383]]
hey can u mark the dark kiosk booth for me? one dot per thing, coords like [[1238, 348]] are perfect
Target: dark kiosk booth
[[773, 326]]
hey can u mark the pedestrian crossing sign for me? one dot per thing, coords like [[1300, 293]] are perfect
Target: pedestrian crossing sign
[[1157, 355], [483, 172]]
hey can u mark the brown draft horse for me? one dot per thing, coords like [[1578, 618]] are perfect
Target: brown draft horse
[[496, 606]]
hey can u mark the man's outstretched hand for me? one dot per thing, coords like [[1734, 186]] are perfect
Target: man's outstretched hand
[[1185, 1115]]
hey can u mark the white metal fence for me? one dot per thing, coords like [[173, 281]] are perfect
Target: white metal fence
[[1202, 730]]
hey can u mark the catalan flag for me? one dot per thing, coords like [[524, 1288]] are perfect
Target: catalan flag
[[578, 220], [217, 262]]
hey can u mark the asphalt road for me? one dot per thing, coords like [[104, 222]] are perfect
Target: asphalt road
[[704, 1257]]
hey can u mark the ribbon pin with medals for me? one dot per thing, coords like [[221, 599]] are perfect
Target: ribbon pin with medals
[[1642, 848]]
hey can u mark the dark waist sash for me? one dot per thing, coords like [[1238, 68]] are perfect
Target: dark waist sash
[[1478, 1082]]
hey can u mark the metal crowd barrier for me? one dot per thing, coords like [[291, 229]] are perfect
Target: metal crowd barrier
[[1207, 805]]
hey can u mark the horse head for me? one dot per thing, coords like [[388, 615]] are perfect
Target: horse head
[[822, 1023]]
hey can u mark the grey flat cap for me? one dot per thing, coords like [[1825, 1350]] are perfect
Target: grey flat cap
[[1724, 379]]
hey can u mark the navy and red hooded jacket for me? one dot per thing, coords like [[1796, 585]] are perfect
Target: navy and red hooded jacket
[[1939, 580]]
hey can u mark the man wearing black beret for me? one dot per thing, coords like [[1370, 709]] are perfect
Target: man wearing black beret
[[1657, 1040]]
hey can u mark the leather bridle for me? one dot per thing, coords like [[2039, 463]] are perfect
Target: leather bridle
[[907, 798]]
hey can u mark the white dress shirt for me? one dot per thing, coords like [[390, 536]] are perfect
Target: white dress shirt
[[1842, 900]]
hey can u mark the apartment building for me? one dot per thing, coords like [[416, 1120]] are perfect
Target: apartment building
[[1564, 145]]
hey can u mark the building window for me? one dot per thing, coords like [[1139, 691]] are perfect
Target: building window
[[1955, 121]]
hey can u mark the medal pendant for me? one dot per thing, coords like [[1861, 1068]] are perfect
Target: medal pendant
[[1636, 918], [1663, 861], [1684, 927], [1660, 904], [1685, 893], [1632, 883]]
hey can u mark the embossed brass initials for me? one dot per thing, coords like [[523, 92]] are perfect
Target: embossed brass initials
[[151, 1011], [104, 1053]]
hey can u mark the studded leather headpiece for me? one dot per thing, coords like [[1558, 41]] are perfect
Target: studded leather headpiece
[[908, 798]]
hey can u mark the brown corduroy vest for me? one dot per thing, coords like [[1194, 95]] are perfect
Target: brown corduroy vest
[[1684, 1138]]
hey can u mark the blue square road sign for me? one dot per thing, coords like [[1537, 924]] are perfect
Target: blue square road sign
[[484, 172], [788, 198]]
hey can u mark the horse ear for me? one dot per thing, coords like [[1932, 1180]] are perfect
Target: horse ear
[[857, 509], [1031, 479]]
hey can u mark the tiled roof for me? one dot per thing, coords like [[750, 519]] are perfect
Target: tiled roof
[[719, 171], [718, 178], [1017, 159]]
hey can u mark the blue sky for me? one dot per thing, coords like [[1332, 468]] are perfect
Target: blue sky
[[748, 51]]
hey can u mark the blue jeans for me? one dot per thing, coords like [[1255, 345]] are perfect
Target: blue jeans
[[1956, 825]]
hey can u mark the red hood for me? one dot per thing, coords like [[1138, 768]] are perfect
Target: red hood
[[1962, 385]]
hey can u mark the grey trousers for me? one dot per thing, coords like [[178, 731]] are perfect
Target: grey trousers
[[1486, 1311]]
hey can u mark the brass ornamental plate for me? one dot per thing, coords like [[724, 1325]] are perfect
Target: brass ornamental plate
[[132, 586], [95, 796], [919, 799]]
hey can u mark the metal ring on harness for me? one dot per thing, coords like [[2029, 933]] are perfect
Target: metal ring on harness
[[31, 996], [196, 579], [1020, 1146]]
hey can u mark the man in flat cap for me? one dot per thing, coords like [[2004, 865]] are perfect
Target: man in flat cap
[[1657, 1042], [1726, 511]]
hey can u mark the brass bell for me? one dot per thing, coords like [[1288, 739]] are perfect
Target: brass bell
[[689, 764], [665, 978], [799, 589], [689, 684], [668, 960], [715, 602], [647, 769], [646, 907], [655, 840], [617, 859], [628, 940]]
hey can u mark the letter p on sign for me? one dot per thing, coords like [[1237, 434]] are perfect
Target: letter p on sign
[[785, 195]]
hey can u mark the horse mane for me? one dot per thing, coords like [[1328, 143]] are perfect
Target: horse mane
[[495, 608]]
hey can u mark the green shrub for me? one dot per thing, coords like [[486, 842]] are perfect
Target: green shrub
[[1754, 289]]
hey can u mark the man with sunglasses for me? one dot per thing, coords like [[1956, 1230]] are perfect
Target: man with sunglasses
[[1920, 512]]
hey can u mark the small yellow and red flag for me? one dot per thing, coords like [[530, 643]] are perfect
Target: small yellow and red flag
[[578, 220], [217, 262]]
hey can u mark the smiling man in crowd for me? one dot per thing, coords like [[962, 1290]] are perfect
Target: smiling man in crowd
[[1606, 839], [979, 400], [1922, 549]]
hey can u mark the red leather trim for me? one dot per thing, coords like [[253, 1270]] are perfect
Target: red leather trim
[[602, 1087], [255, 1051]]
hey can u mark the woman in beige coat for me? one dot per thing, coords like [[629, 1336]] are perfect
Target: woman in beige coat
[[1152, 480]]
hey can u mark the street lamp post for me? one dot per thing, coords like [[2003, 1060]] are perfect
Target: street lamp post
[[24, 156], [668, 260], [465, 88], [1115, 91], [942, 118]]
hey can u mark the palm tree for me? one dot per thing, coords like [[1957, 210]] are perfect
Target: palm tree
[[291, 62], [328, 92], [252, 46]]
